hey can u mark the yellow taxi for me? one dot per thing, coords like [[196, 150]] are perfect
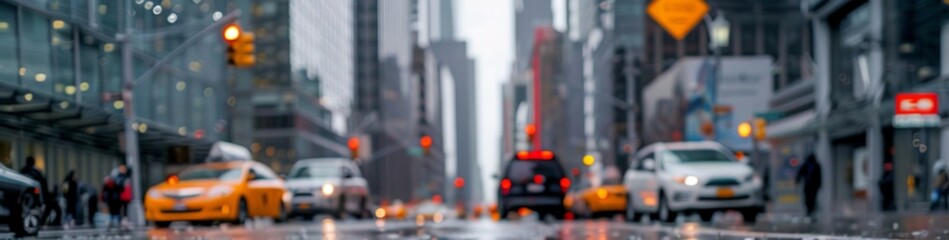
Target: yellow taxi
[[396, 210], [601, 200], [222, 191]]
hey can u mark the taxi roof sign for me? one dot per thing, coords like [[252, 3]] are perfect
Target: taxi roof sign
[[677, 17], [226, 152]]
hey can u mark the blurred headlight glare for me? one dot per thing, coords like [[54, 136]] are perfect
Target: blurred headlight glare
[[154, 194], [327, 189], [688, 180]]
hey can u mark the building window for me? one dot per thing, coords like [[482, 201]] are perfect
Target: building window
[[914, 39], [35, 52], [62, 57], [9, 66]]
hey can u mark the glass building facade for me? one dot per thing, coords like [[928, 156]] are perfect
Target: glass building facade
[[61, 83]]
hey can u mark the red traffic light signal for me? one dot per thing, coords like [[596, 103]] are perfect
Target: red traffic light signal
[[353, 144], [425, 141], [530, 130], [459, 182]]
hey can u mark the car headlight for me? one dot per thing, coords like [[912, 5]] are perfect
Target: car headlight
[[154, 194], [327, 189], [688, 180], [220, 191]]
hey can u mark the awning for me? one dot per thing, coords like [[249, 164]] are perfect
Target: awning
[[801, 124]]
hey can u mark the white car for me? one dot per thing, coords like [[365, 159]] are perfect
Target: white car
[[665, 179], [327, 185]]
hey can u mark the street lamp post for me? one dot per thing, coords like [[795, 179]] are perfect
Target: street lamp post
[[129, 81], [719, 32]]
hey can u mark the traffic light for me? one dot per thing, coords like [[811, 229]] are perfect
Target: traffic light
[[744, 129], [530, 130], [353, 147], [240, 50], [760, 126], [426, 143], [588, 160], [459, 182]]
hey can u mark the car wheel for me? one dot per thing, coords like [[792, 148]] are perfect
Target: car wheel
[[706, 216], [341, 209], [30, 216], [162, 224], [750, 216], [282, 216], [363, 209], [242, 214], [665, 214], [631, 214]]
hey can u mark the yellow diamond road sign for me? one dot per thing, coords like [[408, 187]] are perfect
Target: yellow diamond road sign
[[678, 17]]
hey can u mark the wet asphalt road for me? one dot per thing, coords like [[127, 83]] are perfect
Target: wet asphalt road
[[725, 226]]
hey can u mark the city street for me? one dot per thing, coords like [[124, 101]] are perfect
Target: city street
[[724, 227]]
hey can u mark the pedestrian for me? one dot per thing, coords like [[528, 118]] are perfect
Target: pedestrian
[[30, 171], [116, 192], [51, 205], [810, 175], [940, 188], [71, 193], [886, 186]]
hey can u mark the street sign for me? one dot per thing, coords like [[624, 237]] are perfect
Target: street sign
[[916, 110], [678, 17]]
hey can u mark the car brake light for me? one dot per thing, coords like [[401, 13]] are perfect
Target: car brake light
[[565, 184], [36, 191], [535, 155], [538, 179], [505, 185]]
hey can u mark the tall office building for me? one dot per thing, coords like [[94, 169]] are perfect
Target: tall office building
[[528, 15], [453, 58], [397, 102], [302, 90]]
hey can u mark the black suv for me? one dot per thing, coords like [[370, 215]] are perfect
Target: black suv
[[20, 203], [534, 180]]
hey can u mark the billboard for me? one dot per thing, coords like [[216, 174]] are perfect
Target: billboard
[[710, 105]]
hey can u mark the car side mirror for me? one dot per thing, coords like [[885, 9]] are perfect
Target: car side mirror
[[649, 164]]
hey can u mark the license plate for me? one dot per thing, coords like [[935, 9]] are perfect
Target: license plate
[[725, 193], [180, 207], [534, 188], [304, 206]]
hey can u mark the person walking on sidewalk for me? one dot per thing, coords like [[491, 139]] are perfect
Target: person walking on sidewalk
[[941, 188], [117, 193], [810, 175], [886, 186], [79, 196], [51, 205]]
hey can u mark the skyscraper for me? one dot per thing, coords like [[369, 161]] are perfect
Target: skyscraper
[[302, 90]]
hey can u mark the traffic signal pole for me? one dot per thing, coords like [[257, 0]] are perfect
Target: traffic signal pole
[[135, 209]]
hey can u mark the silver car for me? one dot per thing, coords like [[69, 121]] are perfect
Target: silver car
[[327, 186], [684, 177]]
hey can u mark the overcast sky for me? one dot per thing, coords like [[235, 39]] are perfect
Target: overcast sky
[[488, 26]]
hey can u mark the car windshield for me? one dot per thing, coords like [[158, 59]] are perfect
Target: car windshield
[[695, 156], [211, 173], [315, 171], [524, 171]]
